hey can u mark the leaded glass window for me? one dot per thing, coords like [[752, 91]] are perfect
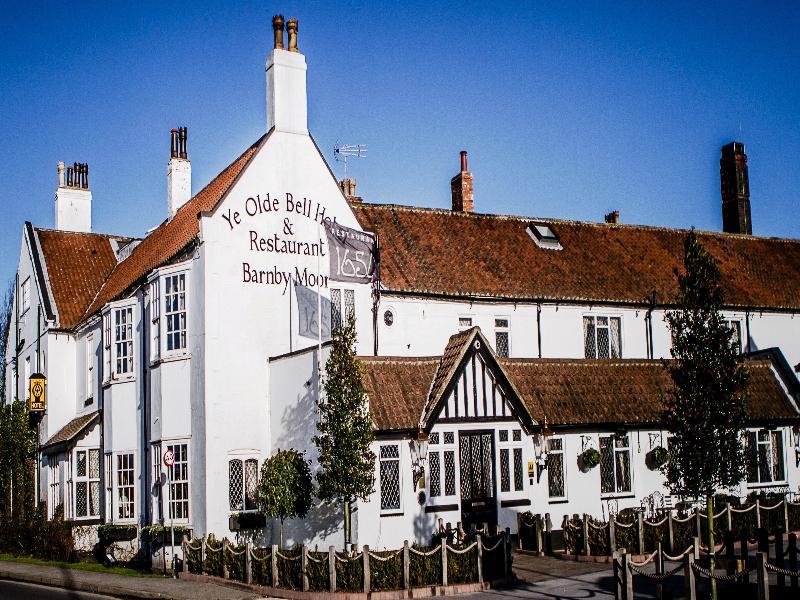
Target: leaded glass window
[[511, 460], [518, 469], [390, 477], [615, 465], [87, 483], [505, 480], [555, 468], [602, 337], [765, 456], [250, 484], [436, 475], [449, 472], [235, 484], [336, 308]]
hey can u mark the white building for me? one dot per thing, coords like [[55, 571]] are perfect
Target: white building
[[480, 328]]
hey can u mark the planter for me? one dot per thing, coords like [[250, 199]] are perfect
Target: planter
[[117, 533], [246, 521], [589, 459]]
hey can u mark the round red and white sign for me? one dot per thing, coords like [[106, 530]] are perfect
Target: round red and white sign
[[169, 458]]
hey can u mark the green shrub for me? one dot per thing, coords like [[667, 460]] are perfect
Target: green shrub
[[462, 568], [317, 570], [386, 574], [290, 574], [424, 570], [261, 566]]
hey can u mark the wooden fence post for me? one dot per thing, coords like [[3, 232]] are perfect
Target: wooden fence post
[[627, 577], [730, 551], [743, 539], [793, 559], [304, 567], [444, 562], [586, 548], [612, 535], [203, 555], [688, 577], [406, 566], [225, 573], [670, 533], [548, 529], [729, 516], [779, 559], [185, 549], [519, 531], [619, 592], [539, 537], [479, 549], [274, 564], [696, 548], [785, 515], [332, 569], [758, 513], [507, 552], [659, 571], [640, 526], [763, 576], [367, 582], [248, 563], [699, 524]]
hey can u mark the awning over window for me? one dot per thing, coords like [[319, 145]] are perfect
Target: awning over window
[[65, 436]]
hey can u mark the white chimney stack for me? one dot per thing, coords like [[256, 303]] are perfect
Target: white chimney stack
[[73, 206], [179, 173], [286, 82]]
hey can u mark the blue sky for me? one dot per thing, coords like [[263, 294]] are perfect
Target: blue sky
[[567, 109]]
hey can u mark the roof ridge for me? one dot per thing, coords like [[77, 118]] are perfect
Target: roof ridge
[[524, 218], [97, 233]]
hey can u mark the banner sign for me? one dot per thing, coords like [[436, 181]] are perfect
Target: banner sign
[[307, 307], [353, 254], [37, 401]]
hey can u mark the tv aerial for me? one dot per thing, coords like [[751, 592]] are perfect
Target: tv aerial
[[343, 152]]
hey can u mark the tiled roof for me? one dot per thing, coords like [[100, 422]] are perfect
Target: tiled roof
[[77, 265], [466, 254], [576, 392], [71, 430], [397, 389], [172, 236], [570, 392]]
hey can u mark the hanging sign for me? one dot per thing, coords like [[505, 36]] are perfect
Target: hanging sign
[[37, 401], [353, 254]]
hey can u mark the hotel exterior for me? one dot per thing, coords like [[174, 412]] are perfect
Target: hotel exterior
[[481, 333]]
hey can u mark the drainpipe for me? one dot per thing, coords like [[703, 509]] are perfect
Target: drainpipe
[[747, 328], [144, 354], [539, 327], [649, 319], [376, 298]]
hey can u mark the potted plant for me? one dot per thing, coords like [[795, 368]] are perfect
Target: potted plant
[[657, 458], [589, 458]]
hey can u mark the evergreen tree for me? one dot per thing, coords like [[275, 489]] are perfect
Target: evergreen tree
[[705, 411], [347, 464], [286, 487]]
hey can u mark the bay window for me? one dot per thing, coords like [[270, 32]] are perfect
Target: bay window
[[615, 464], [123, 341], [107, 346], [602, 336], [89, 368], [155, 321]]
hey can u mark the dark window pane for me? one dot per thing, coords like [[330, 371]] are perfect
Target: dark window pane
[[518, 469], [505, 484], [435, 475]]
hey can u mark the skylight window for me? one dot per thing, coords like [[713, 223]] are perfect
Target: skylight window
[[544, 236]]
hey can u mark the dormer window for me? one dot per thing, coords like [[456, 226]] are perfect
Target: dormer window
[[544, 236]]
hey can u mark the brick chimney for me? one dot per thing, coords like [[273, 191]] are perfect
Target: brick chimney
[[348, 187], [73, 206], [179, 172], [461, 187], [612, 218], [735, 188]]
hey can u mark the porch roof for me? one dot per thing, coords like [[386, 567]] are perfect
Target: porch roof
[[67, 434]]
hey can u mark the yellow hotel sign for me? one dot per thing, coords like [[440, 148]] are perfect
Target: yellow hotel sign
[[37, 401]]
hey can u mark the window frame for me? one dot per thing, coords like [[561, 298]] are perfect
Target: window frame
[[89, 373], [127, 344], [610, 316], [155, 318], [244, 459], [562, 453], [165, 334], [341, 308], [170, 482], [769, 443], [498, 329], [511, 448], [616, 451], [25, 296], [118, 487], [398, 510], [734, 323], [462, 322], [439, 447], [88, 480]]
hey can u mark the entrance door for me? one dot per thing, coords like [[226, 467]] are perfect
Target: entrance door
[[478, 496]]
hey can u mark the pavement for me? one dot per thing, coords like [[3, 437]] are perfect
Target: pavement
[[106, 584]]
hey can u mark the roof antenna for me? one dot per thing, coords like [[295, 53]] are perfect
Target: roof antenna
[[341, 153]]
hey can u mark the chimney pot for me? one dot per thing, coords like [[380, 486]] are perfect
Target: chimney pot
[[461, 188], [61, 180], [348, 187], [291, 29], [277, 26], [735, 189], [613, 217]]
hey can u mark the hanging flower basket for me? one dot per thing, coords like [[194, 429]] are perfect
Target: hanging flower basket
[[590, 458], [657, 458]]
